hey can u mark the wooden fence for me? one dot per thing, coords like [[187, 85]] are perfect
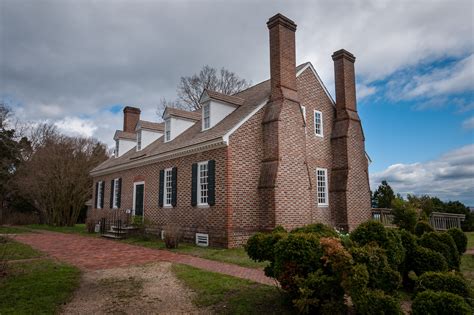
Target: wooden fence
[[440, 221]]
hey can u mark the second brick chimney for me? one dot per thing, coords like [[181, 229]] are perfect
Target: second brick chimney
[[131, 116]]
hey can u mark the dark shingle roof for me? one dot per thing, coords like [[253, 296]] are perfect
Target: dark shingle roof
[[125, 135], [151, 125], [225, 98], [194, 115]]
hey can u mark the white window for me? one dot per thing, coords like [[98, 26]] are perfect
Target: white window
[[167, 129], [117, 142], [167, 191], [206, 116], [322, 186], [202, 191], [318, 123], [99, 195], [139, 140], [303, 110], [116, 194]]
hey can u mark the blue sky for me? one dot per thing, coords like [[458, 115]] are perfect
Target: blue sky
[[76, 64]]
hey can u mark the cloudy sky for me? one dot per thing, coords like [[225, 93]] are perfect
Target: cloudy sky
[[77, 63]]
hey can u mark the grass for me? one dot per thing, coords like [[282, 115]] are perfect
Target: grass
[[13, 250], [467, 268], [76, 229], [236, 256], [13, 230], [229, 295], [37, 287], [470, 239]]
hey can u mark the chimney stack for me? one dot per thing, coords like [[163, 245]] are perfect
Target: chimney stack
[[282, 57], [344, 77], [131, 116]]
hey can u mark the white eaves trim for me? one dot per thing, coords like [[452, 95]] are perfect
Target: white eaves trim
[[309, 65], [226, 137]]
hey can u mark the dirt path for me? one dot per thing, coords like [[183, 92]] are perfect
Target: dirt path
[[147, 289]]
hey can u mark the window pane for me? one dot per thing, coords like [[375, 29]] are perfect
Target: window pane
[[322, 189], [168, 190], [203, 183]]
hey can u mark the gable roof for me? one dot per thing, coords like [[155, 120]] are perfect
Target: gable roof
[[143, 124], [254, 98], [231, 99], [119, 134]]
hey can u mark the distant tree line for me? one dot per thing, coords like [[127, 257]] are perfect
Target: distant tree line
[[384, 197], [44, 172]]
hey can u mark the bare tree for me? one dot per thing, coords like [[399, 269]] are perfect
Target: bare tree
[[190, 88], [5, 113], [56, 176]]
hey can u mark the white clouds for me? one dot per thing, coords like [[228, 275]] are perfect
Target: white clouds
[[450, 177], [468, 123], [76, 126], [364, 90]]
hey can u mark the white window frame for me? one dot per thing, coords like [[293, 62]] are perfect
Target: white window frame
[[199, 189], [206, 116], [325, 202], [321, 127], [303, 109], [167, 129], [139, 140], [165, 187], [117, 147], [99, 195], [115, 197]]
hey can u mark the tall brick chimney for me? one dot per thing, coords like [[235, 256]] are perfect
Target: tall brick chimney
[[131, 116], [349, 187], [283, 131]]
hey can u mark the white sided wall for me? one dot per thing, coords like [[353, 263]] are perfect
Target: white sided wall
[[178, 126], [149, 136], [125, 145], [218, 111]]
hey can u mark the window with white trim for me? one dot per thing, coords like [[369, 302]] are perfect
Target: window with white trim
[[116, 194], [117, 142], [322, 186], [318, 123], [206, 114], [303, 110], [203, 188], [167, 185], [167, 129], [139, 140], [99, 195]]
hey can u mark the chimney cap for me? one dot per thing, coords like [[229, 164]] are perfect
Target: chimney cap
[[130, 109], [280, 19], [342, 53]]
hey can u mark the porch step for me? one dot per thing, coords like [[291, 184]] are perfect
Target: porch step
[[117, 232], [113, 235], [125, 228]]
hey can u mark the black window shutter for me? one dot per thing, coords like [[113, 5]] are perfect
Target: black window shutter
[[102, 194], [174, 186], [194, 185], [119, 192], [161, 189], [211, 182], [96, 194], [112, 193]]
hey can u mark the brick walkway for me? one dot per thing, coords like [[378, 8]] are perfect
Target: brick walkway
[[96, 253]]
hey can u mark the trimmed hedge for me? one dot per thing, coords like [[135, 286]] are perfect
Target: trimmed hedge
[[423, 227], [377, 302], [317, 228], [442, 243], [460, 239], [443, 281], [425, 259], [440, 303]]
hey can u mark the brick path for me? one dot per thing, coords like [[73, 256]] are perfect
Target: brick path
[[96, 253]]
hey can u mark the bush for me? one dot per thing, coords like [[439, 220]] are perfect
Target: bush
[[439, 303], [320, 229], [443, 281], [424, 260], [444, 244], [173, 235], [394, 249], [423, 227], [404, 215], [376, 302], [381, 275], [460, 239]]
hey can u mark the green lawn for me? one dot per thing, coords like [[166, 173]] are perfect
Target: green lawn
[[236, 256], [11, 250], [467, 268], [76, 229], [37, 287], [13, 230], [470, 239], [229, 295]]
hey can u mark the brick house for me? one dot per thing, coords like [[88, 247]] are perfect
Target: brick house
[[281, 152]]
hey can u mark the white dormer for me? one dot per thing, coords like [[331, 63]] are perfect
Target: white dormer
[[216, 106], [124, 142], [147, 132], [177, 121]]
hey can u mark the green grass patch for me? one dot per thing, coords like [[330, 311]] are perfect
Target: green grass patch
[[12, 250], [470, 239], [76, 229], [229, 295], [37, 287], [13, 230], [236, 256], [467, 268]]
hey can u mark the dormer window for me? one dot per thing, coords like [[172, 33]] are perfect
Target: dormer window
[[167, 129], [206, 109], [139, 140], [117, 146]]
